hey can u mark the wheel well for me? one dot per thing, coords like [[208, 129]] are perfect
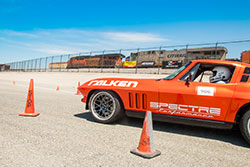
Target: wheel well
[[98, 90], [241, 112]]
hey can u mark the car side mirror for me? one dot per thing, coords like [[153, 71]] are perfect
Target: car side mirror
[[188, 79]]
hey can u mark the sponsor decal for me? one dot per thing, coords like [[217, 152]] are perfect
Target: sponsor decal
[[129, 64], [189, 110], [148, 63], [205, 91], [171, 64], [115, 83]]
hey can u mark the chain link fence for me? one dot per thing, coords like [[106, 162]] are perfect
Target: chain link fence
[[155, 60]]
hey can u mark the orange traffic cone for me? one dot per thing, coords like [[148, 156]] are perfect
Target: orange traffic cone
[[29, 108], [78, 92], [146, 147], [57, 88]]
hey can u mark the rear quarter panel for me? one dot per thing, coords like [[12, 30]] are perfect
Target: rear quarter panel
[[241, 96]]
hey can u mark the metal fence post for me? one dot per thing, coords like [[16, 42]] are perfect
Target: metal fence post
[[24, 65], [137, 60], [28, 64], [20, 69], [119, 60], [186, 52], [159, 61], [60, 63], [215, 53], [25, 69], [46, 60], [35, 64], [102, 61], [90, 54], [52, 59], [67, 63], [40, 63], [79, 62], [31, 65]]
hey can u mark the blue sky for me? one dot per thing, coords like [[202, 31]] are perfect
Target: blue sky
[[39, 28]]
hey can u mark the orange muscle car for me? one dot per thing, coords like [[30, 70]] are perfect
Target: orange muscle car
[[189, 95]]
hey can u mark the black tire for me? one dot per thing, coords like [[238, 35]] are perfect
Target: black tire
[[245, 126], [105, 107]]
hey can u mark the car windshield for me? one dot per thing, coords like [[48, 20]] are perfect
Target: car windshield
[[174, 74]]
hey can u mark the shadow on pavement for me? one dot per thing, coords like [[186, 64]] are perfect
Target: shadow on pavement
[[231, 136]]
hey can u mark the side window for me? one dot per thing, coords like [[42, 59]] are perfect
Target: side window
[[244, 78], [210, 73], [204, 77], [247, 70], [193, 72], [245, 75]]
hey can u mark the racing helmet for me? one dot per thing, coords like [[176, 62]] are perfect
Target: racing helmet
[[220, 73]]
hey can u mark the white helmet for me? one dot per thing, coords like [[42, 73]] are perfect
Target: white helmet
[[220, 73]]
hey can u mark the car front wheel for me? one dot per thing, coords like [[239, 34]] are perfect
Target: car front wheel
[[245, 126], [105, 107]]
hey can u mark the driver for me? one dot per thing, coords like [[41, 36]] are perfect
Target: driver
[[221, 74]]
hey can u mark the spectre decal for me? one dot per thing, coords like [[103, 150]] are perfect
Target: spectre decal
[[186, 109]]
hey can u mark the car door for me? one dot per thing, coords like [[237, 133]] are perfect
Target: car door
[[196, 100]]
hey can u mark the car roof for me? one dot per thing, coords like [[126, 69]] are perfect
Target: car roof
[[225, 62]]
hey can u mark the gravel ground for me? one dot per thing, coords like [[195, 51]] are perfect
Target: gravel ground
[[64, 134]]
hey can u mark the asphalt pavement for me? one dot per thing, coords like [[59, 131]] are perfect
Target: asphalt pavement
[[64, 134]]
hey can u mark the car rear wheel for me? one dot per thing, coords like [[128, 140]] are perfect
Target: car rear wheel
[[245, 126], [105, 107]]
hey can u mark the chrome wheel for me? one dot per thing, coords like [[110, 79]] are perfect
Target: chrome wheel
[[103, 106]]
